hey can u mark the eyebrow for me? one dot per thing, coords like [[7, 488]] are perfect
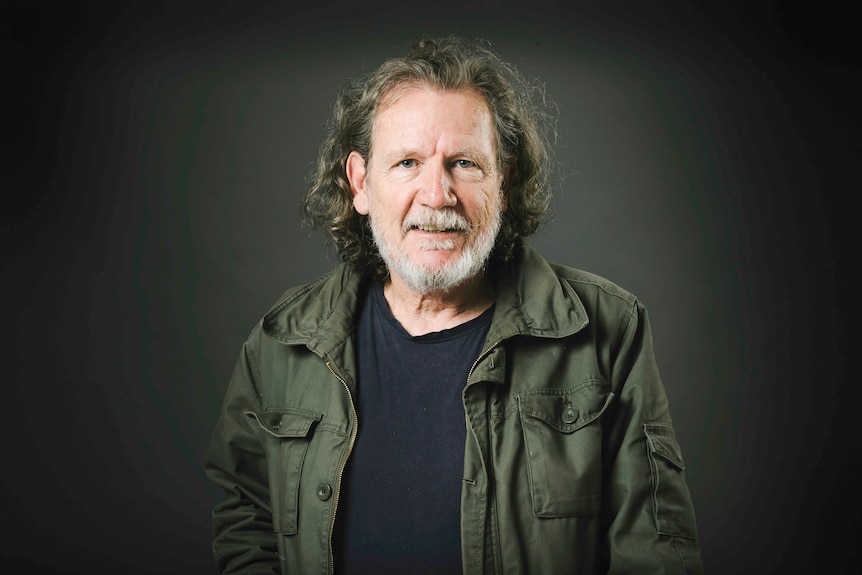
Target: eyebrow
[[470, 153]]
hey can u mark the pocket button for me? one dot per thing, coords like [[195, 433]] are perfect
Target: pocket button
[[324, 491]]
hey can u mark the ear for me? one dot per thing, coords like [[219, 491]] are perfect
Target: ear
[[355, 169]]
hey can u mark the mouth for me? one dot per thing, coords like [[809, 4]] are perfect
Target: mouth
[[434, 229], [437, 222]]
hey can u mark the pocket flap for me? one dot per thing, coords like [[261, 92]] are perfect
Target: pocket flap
[[662, 441], [566, 410], [289, 422]]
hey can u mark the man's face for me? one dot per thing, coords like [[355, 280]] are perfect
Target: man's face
[[432, 188]]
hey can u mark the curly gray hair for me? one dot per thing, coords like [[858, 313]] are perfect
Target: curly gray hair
[[523, 130]]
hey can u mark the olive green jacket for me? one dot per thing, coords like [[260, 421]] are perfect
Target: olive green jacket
[[571, 464]]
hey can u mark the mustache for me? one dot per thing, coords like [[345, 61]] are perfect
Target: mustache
[[436, 221]]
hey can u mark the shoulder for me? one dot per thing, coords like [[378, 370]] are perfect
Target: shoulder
[[300, 295], [539, 274], [586, 283], [302, 310], [551, 299], [611, 310]]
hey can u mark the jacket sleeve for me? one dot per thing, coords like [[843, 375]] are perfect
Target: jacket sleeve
[[244, 540], [647, 510]]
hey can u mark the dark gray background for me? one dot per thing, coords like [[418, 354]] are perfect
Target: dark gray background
[[154, 154]]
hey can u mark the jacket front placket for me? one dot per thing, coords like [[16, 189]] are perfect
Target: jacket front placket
[[479, 537]]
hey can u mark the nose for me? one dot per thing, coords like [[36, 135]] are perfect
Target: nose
[[436, 187]]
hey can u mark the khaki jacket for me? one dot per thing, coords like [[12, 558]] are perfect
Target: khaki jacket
[[571, 463]]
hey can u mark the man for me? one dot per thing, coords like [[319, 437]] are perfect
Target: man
[[446, 401]]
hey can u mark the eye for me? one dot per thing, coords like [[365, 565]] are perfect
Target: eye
[[407, 163], [465, 164]]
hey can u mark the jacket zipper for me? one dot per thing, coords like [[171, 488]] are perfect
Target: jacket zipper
[[470, 429], [481, 357], [350, 445]]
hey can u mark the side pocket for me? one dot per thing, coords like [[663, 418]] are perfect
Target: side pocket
[[563, 440], [672, 508], [287, 436]]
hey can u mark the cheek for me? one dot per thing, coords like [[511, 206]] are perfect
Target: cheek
[[487, 205]]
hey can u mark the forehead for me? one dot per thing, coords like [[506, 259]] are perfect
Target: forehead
[[409, 109]]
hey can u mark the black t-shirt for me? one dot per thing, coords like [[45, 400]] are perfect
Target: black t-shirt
[[399, 510]]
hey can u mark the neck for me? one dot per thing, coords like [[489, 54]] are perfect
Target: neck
[[419, 313]]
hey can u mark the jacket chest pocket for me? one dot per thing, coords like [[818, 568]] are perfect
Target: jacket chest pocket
[[563, 440], [287, 433]]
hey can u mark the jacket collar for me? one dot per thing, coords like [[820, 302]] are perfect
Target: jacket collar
[[320, 315], [531, 300]]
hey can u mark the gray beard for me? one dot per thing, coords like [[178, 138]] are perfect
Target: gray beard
[[421, 280]]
